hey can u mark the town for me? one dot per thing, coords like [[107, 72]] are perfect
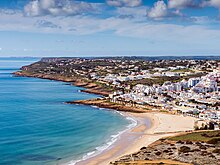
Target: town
[[180, 86]]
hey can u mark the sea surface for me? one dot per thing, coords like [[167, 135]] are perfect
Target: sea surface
[[37, 127]]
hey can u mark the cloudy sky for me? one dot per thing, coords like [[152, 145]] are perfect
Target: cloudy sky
[[109, 27]]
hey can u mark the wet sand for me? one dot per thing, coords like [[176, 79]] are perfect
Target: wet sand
[[150, 128]]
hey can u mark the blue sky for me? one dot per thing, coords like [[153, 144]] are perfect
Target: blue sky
[[109, 27]]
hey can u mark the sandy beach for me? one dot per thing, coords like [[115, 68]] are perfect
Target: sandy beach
[[150, 128]]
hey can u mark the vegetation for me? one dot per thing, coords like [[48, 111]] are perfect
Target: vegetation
[[214, 141], [156, 80], [205, 136], [90, 71], [184, 149], [182, 70]]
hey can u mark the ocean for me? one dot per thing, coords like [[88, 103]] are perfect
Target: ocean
[[37, 127]]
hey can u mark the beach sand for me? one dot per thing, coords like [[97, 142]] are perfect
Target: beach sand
[[145, 133]]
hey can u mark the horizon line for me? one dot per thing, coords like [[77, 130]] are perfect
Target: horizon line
[[106, 56]]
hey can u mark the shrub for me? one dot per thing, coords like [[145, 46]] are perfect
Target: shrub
[[214, 141], [216, 151], [166, 151], [212, 156], [202, 147], [143, 148], [158, 153], [196, 150], [179, 141], [198, 143], [184, 149]]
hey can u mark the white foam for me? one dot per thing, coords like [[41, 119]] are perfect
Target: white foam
[[98, 150], [94, 106]]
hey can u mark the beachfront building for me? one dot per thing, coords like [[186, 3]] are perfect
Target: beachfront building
[[198, 97]]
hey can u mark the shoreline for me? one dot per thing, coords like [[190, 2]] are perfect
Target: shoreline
[[109, 144], [105, 103], [142, 135], [90, 87], [130, 141], [119, 146]]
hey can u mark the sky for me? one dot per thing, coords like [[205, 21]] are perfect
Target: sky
[[109, 27]]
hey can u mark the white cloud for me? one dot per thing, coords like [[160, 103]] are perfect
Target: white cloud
[[57, 7], [202, 20], [78, 24], [124, 3], [159, 10], [46, 24], [214, 3], [180, 4], [136, 28], [132, 12]]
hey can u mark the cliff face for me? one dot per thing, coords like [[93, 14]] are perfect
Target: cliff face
[[90, 86], [44, 76]]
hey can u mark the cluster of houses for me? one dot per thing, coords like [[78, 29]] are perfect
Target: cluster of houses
[[117, 70], [117, 78], [136, 74], [198, 97], [204, 84], [208, 83]]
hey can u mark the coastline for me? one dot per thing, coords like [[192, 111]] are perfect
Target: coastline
[[109, 144], [130, 141], [90, 87], [105, 103], [142, 135]]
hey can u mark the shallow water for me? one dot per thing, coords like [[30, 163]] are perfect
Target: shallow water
[[36, 127]]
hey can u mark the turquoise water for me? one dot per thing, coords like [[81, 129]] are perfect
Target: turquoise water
[[36, 127]]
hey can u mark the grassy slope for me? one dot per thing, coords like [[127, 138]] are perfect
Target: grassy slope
[[198, 136]]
